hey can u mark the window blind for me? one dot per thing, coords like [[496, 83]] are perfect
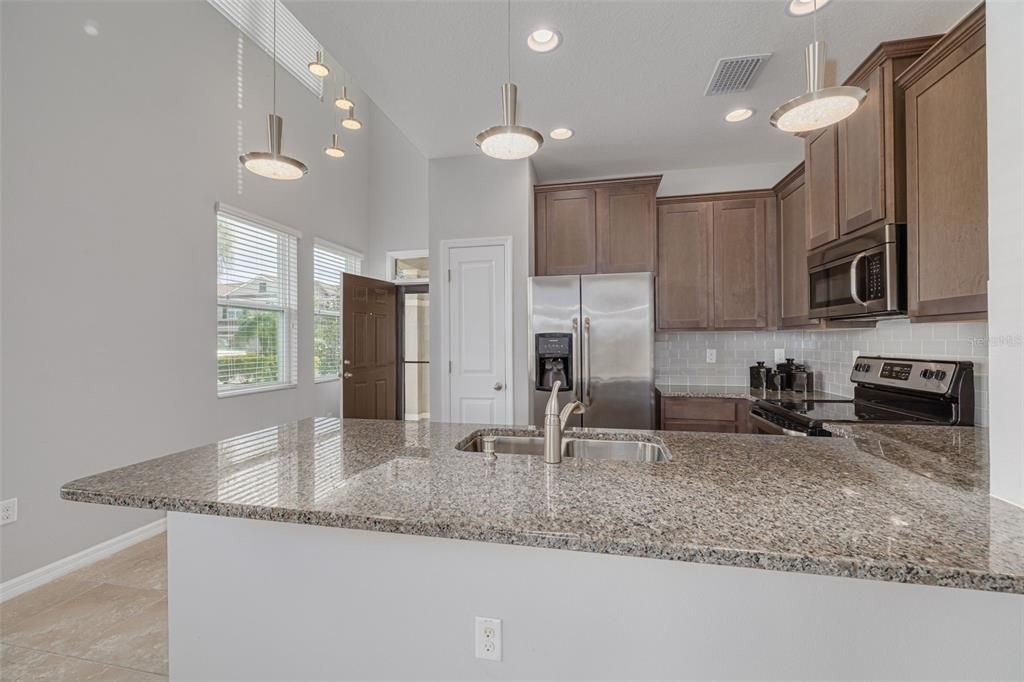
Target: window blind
[[296, 46], [257, 282], [329, 263]]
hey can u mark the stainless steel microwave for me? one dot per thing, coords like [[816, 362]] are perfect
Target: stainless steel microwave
[[863, 276]]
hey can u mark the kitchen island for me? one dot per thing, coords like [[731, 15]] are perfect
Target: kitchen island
[[341, 602]]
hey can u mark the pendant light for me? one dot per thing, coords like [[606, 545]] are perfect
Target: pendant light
[[334, 150], [509, 141], [352, 123], [317, 67], [343, 102], [819, 107], [273, 164]]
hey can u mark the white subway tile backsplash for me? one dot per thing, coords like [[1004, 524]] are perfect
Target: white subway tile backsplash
[[680, 356]]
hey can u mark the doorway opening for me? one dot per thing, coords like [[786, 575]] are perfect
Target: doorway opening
[[414, 352]]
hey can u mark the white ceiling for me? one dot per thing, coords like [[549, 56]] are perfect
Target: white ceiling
[[629, 77]]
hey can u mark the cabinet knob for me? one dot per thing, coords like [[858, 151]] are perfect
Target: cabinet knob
[[347, 375]]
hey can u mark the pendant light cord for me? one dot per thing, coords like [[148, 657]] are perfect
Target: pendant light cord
[[814, 21], [508, 44]]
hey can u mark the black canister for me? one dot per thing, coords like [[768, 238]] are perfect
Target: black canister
[[759, 375], [785, 370]]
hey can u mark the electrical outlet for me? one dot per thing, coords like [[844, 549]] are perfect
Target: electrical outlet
[[712, 356], [780, 355], [488, 638], [9, 511]]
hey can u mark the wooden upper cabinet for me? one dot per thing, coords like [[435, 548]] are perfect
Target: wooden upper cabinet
[[862, 159], [865, 153], [626, 228], [794, 301], [565, 237], [947, 176], [739, 264], [684, 266], [822, 179], [599, 227]]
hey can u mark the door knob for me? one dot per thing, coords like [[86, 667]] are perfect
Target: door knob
[[498, 386], [347, 375]]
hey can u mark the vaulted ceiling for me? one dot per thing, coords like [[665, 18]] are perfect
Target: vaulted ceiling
[[629, 77]]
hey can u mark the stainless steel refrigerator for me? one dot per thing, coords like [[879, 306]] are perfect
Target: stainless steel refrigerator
[[594, 334]]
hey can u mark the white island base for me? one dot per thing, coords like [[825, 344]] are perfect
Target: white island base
[[259, 600]]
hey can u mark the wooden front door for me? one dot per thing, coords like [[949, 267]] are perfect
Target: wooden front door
[[369, 348]]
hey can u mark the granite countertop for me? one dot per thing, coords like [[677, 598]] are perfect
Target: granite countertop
[[671, 390], [829, 506]]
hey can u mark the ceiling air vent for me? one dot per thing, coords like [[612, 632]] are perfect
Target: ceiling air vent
[[735, 74]]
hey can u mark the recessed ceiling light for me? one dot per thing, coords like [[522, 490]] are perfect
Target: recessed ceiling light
[[801, 8], [562, 133], [737, 115], [545, 39], [91, 28]]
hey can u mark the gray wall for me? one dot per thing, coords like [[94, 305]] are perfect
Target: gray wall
[[1005, 64], [476, 196], [115, 149], [398, 194]]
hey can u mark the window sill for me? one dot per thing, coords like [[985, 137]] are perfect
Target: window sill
[[326, 380], [255, 389]]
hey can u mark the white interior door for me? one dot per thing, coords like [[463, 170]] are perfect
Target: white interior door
[[479, 334]]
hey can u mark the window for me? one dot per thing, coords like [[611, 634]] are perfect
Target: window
[[296, 46], [329, 262], [256, 303]]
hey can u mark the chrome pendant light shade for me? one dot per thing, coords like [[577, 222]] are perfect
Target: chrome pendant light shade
[[274, 164], [318, 68], [352, 123], [334, 150], [509, 141], [343, 102], [819, 107]]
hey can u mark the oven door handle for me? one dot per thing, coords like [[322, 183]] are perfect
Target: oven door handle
[[853, 279], [772, 428]]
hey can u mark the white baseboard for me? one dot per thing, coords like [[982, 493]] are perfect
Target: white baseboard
[[33, 579]]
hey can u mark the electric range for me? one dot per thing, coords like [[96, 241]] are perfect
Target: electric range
[[886, 391]]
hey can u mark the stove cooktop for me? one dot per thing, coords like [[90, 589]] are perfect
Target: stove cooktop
[[813, 413]]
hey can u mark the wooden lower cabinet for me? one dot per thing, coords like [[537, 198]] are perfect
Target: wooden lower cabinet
[[947, 177], [714, 415], [714, 260]]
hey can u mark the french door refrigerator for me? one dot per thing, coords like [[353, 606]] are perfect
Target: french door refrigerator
[[595, 335]]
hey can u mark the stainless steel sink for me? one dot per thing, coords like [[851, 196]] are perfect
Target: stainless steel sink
[[619, 450], [579, 448]]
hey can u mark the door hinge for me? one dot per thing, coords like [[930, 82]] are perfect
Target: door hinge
[[449, 366], [449, 274]]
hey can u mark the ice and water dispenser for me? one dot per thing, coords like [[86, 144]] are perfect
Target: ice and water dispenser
[[553, 361]]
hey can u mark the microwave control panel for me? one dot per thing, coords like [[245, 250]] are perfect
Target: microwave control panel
[[874, 266]]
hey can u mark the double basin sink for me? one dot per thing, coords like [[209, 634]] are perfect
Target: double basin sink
[[621, 447]]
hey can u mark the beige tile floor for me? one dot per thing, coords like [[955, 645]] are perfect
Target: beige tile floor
[[104, 623]]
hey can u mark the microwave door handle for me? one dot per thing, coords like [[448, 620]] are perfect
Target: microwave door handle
[[853, 279]]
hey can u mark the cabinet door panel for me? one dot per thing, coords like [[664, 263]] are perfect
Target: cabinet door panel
[[862, 159], [684, 266], [822, 188], [793, 284], [948, 187], [739, 264], [626, 229], [565, 233]]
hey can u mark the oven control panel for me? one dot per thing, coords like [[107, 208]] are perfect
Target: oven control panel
[[931, 376]]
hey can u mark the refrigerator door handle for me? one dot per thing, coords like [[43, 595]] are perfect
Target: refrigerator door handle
[[586, 362], [577, 390]]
